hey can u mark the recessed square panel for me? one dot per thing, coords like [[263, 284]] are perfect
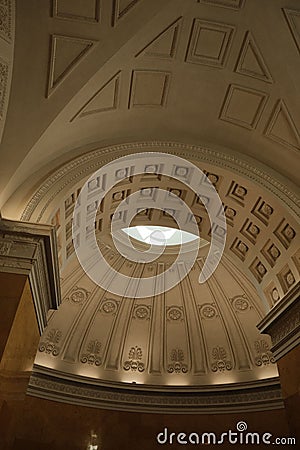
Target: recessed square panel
[[209, 43], [258, 269], [243, 106], [149, 88], [262, 211], [271, 252], [285, 233]]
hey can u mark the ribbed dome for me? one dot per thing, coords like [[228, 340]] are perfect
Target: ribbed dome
[[194, 334]]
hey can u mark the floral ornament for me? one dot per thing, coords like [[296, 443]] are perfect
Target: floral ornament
[[265, 356], [241, 304], [208, 311], [175, 313], [109, 306], [49, 345], [142, 312], [134, 360], [78, 295], [220, 363], [177, 365], [92, 356]]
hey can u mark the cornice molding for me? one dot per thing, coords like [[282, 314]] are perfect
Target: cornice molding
[[258, 396], [31, 249], [7, 40], [282, 323], [75, 170]]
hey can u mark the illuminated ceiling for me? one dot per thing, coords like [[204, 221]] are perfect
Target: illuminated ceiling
[[95, 80]]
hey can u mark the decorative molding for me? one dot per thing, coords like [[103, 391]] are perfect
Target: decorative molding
[[6, 19], [31, 249], [250, 231], [165, 44], [208, 311], [292, 17], [66, 53], [175, 313], [134, 360], [142, 312], [258, 269], [286, 278], [121, 8], [77, 12], [240, 304], [282, 323], [251, 62], [253, 102], [237, 192], [85, 164], [5, 247], [92, 354], [262, 211], [105, 99], [177, 365], [4, 71], [239, 248], [109, 306], [220, 362], [271, 252], [261, 395], [209, 43], [281, 127], [231, 4], [78, 295], [264, 356], [149, 88], [285, 233], [49, 344]]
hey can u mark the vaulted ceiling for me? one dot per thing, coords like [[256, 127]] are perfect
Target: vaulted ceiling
[[210, 72], [214, 81]]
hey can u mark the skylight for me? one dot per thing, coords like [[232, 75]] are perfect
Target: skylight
[[156, 235]]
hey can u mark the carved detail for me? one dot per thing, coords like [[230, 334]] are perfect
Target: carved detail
[[3, 83], [86, 163], [208, 311], [220, 363], [134, 360], [92, 356], [265, 356], [232, 400], [177, 365], [5, 248], [78, 295], [142, 312], [175, 313], [109, 306], [240, 303], [286, 326], [49, 345], [6, 19]]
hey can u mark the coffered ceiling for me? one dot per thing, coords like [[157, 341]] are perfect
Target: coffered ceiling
[[222, 73], [83, 82]]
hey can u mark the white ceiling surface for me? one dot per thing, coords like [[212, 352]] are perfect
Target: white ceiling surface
[[194, 334], [224, 73]]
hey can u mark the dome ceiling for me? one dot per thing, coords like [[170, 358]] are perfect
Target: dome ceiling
[[95, 80], [191, 335]]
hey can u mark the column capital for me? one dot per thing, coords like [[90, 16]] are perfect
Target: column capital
[[31, 249], [282, 323]]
